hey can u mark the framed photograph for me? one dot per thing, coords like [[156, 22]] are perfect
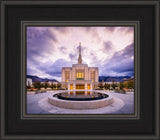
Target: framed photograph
[[84, 69], [105, 88]]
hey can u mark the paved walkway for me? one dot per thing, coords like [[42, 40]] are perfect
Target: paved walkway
[[38, 104]]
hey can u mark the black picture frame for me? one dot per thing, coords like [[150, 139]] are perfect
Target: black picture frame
[[12, 124], [136, 106]]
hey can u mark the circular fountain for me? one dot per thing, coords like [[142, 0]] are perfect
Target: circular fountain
[[80, 99]]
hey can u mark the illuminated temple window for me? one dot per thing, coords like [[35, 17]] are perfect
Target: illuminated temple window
[[80, 75], [93, 76], [67, 76]]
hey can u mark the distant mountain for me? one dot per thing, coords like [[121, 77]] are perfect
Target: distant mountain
[[36, 78], [101, 78], [110, 79]]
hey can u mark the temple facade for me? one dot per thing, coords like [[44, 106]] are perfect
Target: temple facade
[[80, 76]]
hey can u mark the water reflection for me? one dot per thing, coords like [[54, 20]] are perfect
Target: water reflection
[[81, 95]]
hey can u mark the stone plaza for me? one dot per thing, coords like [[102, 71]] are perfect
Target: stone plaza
[[38, 104]]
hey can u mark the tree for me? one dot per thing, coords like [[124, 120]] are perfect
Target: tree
[[28, 87], [53, 86], [130, 84], [37, 85], [46, 84], [59, 85], [107, 86], [121, 85], [114, 85], [100, 85]]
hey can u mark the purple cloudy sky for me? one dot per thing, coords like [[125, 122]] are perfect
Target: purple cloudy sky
[[109, 48]]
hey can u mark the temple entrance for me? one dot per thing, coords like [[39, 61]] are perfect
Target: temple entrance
[[71, 87], [80, 86], [88, 86]]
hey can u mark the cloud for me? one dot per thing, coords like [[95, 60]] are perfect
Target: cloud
[[108, 46], [50, 48], [73, 56], [121, 63], [63, 49], [31, 70], [39, 43], [54, 69]]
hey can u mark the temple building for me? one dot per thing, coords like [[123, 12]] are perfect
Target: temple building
[[80, 76]]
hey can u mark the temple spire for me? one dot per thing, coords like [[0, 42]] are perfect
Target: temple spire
[[80, 57]]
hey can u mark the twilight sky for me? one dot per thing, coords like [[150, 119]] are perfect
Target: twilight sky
[[109, 48]]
